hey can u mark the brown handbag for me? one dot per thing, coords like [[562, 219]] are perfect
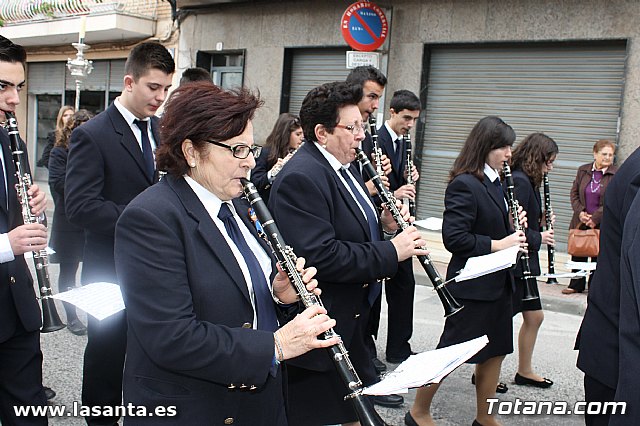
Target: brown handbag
[[584, 242]]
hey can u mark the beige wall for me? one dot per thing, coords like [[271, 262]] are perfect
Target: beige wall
[[265, 29]]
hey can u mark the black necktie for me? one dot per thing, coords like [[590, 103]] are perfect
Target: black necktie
[[375, 288], [147, 153], [264, 302], [399, 151], [4, 222], [500, 192]]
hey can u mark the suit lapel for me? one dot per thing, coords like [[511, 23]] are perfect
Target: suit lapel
[[127, 138], [499, 201], [8, 170], [209, 232]]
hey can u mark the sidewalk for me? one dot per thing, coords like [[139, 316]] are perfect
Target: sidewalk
[[551, 294]]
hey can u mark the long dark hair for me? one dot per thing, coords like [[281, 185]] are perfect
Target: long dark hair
[[488, 134], [278, 139], [530, 154]]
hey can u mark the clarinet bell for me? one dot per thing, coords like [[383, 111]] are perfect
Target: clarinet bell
[[449, 303], [50, 319]]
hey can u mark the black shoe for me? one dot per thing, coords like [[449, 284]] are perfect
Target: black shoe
[[49, 393], [391, 401], [398, 359], [409, 420], [76, 327], [476, 423], [521, 380], [501, 388], [379, 366]]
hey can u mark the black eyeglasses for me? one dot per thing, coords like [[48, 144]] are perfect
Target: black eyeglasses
[[353, 128], [239, 150]]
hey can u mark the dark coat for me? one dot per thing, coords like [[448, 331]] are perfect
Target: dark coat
[[529, 198], [190, 341], [66, 239], [578, 203], [321, 221], [396, 178], [473, 216], [598, 336], [105, 171], [259, 175], [18, 303]]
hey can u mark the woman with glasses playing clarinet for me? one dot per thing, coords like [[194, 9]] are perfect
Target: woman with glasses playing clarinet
[[200, 287], [475, 223], [531, 159]]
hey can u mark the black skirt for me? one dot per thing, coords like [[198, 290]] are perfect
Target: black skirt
[[520, 305], [478, 318]]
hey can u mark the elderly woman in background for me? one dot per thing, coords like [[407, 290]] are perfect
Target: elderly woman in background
[[202, 292], [285, 138], [587, 198], [66, 239]]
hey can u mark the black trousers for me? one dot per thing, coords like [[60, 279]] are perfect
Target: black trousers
[[104, 364], [21, 377], [596, 391], [400, 292]]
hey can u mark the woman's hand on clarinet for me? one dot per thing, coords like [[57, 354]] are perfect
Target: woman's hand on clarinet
[[284, 290], [547, 238], [516, 239], [37, 200], [522, 217], [301, 334]]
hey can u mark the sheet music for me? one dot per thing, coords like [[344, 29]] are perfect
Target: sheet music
[[582, 266], [100, 300], [426, 367], [483, 265]]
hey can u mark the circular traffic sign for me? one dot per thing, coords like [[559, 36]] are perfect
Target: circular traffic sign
[[364, 26]]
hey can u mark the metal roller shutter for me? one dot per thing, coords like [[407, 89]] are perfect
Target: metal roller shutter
[[45, 78], [572, 93], [313, 67]]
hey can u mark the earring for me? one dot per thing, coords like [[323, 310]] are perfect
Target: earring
[[192, 165]]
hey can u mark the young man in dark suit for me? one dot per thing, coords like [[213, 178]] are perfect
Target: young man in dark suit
[[598, 339], [20, 318], [110, 162], [399, 289]]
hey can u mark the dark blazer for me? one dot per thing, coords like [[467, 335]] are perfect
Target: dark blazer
[[578, 203], [190, 342], [259, 175], [396, 178], [105, 171], [321, 221], [18, 303], [66, 239], [529, 199], [629, 352], [473, 216], [598, 336]]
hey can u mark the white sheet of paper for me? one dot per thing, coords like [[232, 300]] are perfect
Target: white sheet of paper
[[483, 265], [582, 266], [100, 300], [430, 223], [426, 367]]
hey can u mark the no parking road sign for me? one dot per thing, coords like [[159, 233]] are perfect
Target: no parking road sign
[[364, 26]]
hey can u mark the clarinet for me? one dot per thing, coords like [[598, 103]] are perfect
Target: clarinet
[[551, 250], [451, 305], [276, 170], [412, 202], [377, 151], [287, 260], [50, 318], [529, 280]]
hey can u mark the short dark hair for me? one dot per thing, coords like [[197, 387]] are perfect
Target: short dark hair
[[147, 56], [404, 99], [195, 74], [322, 103], [488, 134], [530, 154], [364, 73], [11, 52], [198, 111]]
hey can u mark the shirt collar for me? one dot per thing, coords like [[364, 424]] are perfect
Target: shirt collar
[[491, 173], [333, 161], [394, 135], [128, 115], [210, 201]]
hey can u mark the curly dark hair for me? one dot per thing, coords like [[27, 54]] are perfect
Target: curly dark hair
[[79, 117], [322, 103], [488, 134], [530, 154], [199, 111]]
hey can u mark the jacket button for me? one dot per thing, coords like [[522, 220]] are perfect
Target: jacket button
[[12, 280], [253, 387], [232, 386], [243, 386], [228, 421], [356, 316], [247, 325], [365, 285]]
